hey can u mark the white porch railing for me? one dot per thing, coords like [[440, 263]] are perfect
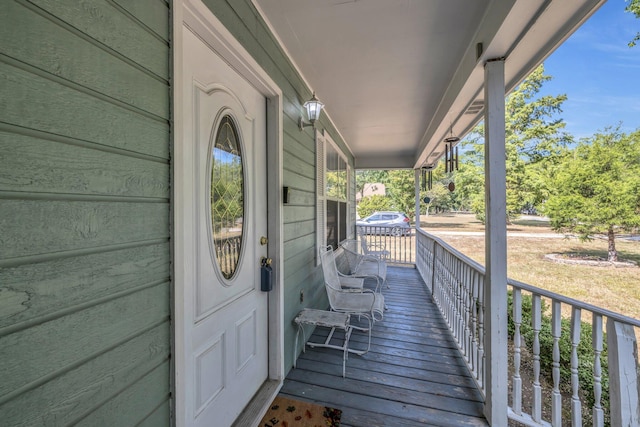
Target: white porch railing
[[457, 285], [393, 244]]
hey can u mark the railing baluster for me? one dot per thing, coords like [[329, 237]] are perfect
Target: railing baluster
[[407, 248], [455, 288], [456, 299], [474, 324], [576, 406], [481, 361], [455, 268], [467, 313], [596, 334], [447, 288], [450, 295], [462, 309], [420, 257], [442, 283], [439, 279], [404, 242], [556, 397], [536, 315], [436, 278], [517, 380], [433, 265]]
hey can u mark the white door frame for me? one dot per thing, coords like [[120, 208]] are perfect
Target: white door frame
[[195, 15]]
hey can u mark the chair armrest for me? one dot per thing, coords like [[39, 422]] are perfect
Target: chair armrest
[[362, 277], [350, 281], [357, 291], [371, 258]]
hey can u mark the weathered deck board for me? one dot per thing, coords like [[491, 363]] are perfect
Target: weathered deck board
[[412, 376]]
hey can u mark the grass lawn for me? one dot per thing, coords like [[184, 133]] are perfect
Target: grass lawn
[[616, 289]]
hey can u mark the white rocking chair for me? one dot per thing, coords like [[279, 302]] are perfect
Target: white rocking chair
[[360, 302], [361, 264], [377, 249]]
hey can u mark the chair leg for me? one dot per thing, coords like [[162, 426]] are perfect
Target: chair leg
[[361, 352]]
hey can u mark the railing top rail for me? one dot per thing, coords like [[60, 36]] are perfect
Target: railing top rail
[[529, 288], [575, 303], [473, 264]]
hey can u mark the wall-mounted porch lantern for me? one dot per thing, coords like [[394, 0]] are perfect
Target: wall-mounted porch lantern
[[313, 107]]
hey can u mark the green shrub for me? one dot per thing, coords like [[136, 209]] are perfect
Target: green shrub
[[370, 204]]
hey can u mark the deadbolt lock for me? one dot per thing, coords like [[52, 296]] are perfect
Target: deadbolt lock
[[264, 240]]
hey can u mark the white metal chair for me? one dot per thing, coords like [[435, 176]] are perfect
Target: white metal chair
[[361, 264], [360, 302], [377, 249]]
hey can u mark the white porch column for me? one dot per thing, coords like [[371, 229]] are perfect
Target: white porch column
[[417, 191], [495, 289], [624, 388]]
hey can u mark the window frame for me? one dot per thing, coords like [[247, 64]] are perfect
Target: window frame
[[323, 141]]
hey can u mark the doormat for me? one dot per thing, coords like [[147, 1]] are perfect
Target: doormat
[[286, 412]]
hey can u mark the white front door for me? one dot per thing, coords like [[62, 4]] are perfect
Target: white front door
[[225, 312]]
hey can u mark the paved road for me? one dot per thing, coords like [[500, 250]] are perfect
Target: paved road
[[481, 233], [518, 234]]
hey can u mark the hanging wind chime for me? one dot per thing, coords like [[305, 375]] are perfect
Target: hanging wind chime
[[451, 156], [450, 164], [427, 177]]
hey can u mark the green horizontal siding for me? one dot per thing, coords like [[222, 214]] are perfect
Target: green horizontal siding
[[120, 33], [35, 101], [84, 213], [59, 225], [76, 393], [32, 38], [32, 291], [80, 170]]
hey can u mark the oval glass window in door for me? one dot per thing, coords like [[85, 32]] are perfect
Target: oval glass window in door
[[227, 197]]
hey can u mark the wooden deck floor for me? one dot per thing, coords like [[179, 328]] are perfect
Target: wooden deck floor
[[412, 376]]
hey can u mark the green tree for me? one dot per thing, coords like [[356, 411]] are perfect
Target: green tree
[[370, 204], [597, 188], [401, 190], [439, 197], [533, 135], [469, 178], [634, 7]]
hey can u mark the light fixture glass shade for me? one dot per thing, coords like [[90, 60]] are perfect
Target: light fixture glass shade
[[313, 107]]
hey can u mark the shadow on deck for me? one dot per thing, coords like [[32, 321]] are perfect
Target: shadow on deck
[[412, 376]]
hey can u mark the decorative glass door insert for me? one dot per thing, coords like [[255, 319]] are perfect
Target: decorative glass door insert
[[227, 197]]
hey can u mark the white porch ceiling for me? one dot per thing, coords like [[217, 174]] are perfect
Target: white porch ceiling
[[397, 76]]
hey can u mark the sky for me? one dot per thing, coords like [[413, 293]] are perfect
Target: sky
[[599, 73]]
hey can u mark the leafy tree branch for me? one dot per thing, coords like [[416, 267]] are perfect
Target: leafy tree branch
[[634, 7]]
